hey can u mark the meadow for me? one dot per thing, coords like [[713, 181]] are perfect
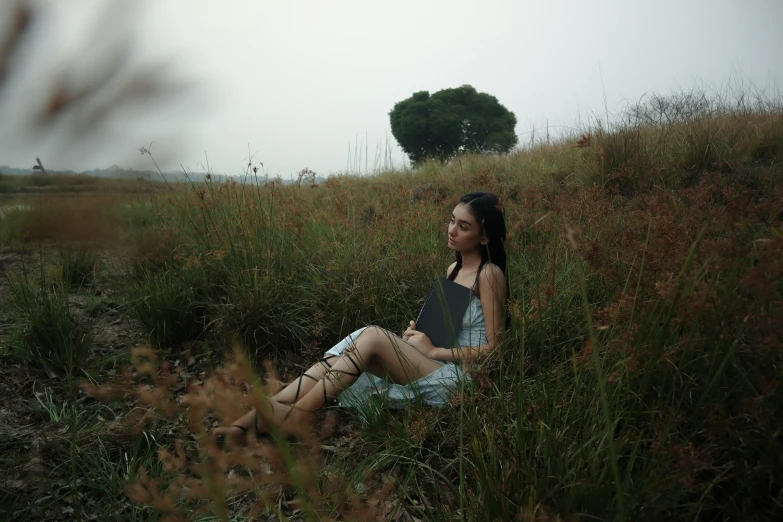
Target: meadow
[[639, 379]]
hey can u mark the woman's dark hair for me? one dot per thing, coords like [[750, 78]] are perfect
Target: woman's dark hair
[[486, 208]]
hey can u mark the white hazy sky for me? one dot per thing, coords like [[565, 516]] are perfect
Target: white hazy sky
[[300, 81]]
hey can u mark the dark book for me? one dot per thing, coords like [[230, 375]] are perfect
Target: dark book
[[441, 316]]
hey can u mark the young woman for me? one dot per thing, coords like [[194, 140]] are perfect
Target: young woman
[[372, 360]]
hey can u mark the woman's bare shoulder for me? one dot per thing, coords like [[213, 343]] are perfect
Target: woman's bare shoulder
[[492, 280], [450, 268], [491, 271]]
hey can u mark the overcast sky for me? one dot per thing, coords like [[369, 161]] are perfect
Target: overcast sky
[[300, 82]]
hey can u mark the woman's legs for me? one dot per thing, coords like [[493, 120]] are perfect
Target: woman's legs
[[296, 389], [288, 395], [305, 382], [375, 350]]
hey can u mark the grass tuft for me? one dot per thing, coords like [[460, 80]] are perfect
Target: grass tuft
[[77, 265], [48, 334], [166, 307]]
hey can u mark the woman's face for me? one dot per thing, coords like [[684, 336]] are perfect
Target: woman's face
[[464, 231]]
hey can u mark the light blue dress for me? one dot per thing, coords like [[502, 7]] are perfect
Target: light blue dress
[[434, 389]]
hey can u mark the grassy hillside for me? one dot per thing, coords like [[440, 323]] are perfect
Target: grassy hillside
[[639, 380]]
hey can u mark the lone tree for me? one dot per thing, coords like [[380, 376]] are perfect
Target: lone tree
[[450, 122]]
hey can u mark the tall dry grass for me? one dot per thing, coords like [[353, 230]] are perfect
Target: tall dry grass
[[639, 380]]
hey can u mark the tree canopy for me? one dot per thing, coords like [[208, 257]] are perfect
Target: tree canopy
[[450, 122]]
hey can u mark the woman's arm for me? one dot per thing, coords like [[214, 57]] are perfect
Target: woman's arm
[[464, 354], [492, 294]]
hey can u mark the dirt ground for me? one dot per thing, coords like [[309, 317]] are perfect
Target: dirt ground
[[33, 444]]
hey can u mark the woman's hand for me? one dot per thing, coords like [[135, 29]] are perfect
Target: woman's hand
[[419, 340], [407, 333]]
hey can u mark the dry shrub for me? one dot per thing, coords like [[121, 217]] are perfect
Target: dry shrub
[[766, 141], [699, 320], [714, 143]]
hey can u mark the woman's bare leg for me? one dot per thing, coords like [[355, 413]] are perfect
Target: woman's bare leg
[[374, 350], [304, 383], [249, 423], [299, 387]]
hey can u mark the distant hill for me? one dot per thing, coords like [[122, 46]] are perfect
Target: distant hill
[[4, 169], [117, 172], [114, 172]]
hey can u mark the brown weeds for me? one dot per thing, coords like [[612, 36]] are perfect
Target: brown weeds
[[203, 478]]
